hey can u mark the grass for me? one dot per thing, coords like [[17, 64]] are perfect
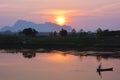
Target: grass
[[11, 41]]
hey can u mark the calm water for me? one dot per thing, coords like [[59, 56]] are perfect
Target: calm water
[[56, 65]]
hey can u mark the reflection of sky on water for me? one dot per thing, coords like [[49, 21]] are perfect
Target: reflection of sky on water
[[57, 57], [55, 66]]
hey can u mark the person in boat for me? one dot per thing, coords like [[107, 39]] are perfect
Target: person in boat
[[100, 65], [99, 69]]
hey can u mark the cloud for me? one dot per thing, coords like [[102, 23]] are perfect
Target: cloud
[[111, 9], [6, 5], [106, 10], [3, 5], [55, 12]]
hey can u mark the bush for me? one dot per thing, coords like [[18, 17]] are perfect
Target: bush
[[29, 32]]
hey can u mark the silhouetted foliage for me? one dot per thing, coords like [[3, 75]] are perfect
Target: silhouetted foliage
[[107, 33], [63, 32], [73, 33], [55, 33], [82, 33], [29, 54], [99, 32], [100, 38], [29, 32]]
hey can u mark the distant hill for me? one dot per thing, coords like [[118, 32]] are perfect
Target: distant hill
[[46, 27]]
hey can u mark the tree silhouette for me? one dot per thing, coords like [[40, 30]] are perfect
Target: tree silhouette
[[29, 54], [73, 33], [55, 33], [63, 32], [29, 32], [82, 33], [99, 32]]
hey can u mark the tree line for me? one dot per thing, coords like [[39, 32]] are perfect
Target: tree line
[[99, 33]]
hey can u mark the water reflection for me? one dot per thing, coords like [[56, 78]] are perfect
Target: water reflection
[[31, 53], [100, 69], [58, 57], [56, 65], [98, 58]]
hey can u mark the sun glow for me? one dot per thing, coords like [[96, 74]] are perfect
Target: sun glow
[[60, 20], [61, 58]]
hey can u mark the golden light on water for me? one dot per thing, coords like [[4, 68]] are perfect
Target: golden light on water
[[58, 58], [60, 20], [55, 57]]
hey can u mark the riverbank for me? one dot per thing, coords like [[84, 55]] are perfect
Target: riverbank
[[68, 42], [32, 52]]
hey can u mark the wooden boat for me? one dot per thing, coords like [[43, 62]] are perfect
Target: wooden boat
[[107, 69], [100, 69]]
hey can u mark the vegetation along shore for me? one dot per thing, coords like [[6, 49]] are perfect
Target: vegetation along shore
[[30, 38]]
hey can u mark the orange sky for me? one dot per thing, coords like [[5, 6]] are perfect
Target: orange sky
[[87, 14]]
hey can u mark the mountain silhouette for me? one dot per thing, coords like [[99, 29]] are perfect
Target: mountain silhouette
[[46, 27]]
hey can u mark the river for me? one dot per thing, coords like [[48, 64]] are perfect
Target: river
[[55, 65]]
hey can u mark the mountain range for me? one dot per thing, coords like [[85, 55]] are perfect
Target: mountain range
[[46, 27]]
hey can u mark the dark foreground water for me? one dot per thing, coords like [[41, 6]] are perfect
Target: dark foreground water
[[55, 65]]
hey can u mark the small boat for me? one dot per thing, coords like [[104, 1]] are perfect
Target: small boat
[[107, 69], [100, 69]]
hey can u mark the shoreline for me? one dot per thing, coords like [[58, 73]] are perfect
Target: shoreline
[[96, 53], [62, 48], [63, 43]]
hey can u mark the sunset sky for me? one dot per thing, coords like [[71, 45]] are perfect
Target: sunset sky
[[80, 14]]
